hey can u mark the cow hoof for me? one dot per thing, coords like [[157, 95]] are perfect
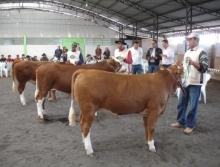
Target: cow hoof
[[90, 154], [152, 150], [24, 104], [40, 118], [71, 124], [45, 117]]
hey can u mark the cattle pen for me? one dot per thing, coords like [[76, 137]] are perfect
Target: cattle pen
[[118, 140]]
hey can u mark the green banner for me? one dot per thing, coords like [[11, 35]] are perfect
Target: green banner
[[25, 45], [67, 42]]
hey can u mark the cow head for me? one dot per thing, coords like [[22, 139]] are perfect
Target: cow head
[[177, 71], [117, 65]]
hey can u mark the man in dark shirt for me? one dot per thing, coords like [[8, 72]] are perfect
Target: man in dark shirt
[[3, 59], [58, 52], [153, 56]]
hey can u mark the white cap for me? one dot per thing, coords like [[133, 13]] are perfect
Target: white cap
[[193, 35]]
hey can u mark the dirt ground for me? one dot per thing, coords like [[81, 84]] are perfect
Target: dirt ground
[[118, 141]]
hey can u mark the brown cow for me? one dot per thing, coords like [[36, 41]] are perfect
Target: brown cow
[[122, 94], [23, 72], [58, 76]]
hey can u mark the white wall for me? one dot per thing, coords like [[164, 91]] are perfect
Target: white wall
[[38, 50], [12, 50]]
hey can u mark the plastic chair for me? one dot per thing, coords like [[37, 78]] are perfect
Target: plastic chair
[[2, 68], [8, 68], [145, 66], [206, 78], [203, 88]]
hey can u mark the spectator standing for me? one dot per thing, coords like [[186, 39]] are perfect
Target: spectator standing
[[74, 56], [58, 52], [153, 56], [137, 54], [106, 53], [167, 55], [98, 53]]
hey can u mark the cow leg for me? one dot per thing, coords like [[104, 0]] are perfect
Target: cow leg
[[86, 123], [21, 87], [145, 127], [40, 100], [54, 98], [72, 117], [52, 95], [151, 123], [44, 111]]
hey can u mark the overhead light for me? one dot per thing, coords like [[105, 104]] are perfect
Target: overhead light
[[86, 4]]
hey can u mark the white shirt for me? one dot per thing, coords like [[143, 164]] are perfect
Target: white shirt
[[136, 55], [122, 55], [170, 56], [153, 55], [73, 56]]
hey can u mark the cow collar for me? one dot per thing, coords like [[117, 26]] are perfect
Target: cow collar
[[178, 82]]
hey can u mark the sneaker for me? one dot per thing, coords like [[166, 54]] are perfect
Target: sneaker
[[176, 125], [188, 130]]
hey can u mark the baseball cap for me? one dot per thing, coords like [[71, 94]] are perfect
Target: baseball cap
[[193, 35]]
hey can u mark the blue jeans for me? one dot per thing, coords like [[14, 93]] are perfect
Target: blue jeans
[[153, 68], [136, 69], [193, 93]]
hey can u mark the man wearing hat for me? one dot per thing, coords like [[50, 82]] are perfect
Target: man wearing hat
[[123, 54], [74, 56], [195, 64]]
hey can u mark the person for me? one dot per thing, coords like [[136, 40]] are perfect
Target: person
[[153, 57], [64, 55], [3, 59], [44, 57], [17, 58], [35, 58], [98, 53], [167, 55], [74, 56], [90, 60], [137, 54], [58, 52], [9, 59], [78, 47], [123, 54], [28, 58], [23, 57], [106, 53], [195, 63]]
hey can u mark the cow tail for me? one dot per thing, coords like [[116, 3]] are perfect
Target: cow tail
[[73, 83], [13, 77]]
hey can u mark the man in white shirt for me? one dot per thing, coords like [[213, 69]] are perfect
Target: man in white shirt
[[136, 53], [74, 56], [123, 54], [167, 55]]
